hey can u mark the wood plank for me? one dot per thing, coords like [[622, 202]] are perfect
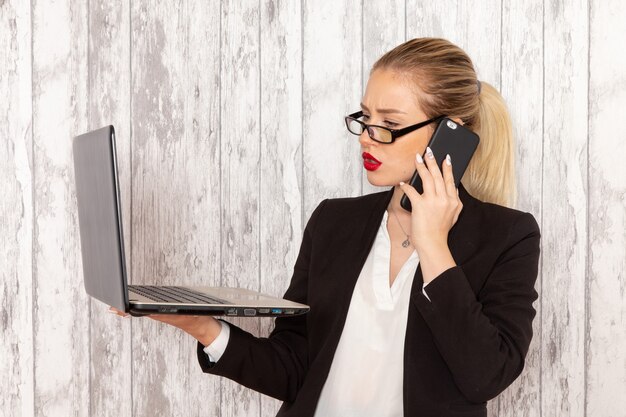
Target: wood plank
[[280, 119], [202, 178], [240, 172], [175, 169], [522, 89], [380, 35], [159, 205], [332, 71], [564, 246], [474, 26], [16, 212], [61, 314], [109, 103], [606, 286]]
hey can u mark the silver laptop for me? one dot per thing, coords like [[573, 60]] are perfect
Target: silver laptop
[[102, 247]]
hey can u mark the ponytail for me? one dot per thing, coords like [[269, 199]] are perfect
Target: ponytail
[[490, 175]]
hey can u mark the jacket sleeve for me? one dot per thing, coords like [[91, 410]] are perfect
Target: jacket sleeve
[[276, 365], [484, 339]]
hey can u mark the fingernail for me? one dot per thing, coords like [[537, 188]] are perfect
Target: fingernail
[[401, 183], [418, 158], [448, 159], [429, 152]]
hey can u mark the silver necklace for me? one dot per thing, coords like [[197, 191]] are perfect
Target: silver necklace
[[407, 242]]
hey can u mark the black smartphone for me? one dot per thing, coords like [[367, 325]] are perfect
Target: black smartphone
[[451, 138]]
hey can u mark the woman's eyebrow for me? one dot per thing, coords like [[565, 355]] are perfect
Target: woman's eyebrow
[[386, 111]]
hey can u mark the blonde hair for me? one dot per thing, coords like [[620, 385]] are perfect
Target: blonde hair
[[446, 77]]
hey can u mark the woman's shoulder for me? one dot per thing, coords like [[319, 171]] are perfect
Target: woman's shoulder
[[501, 220], [344, 213], [354, 206], [508, 213], [485, 232]]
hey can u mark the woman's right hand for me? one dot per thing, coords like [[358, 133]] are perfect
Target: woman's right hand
[[203, 328]]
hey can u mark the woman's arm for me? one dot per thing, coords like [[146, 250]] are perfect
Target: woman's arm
[[484, 339]]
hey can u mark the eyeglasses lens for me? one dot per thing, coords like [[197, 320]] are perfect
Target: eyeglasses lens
[[381, 135], [375, 133]]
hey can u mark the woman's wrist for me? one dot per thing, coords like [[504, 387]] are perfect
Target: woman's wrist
[[435, 258], [207, 330], [431, 244]]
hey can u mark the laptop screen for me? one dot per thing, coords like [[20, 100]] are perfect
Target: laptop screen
[[99, 217]]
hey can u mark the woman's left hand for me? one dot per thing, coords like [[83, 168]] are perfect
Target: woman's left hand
[[437, 209]]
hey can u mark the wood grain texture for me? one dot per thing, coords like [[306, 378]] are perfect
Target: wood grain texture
[[229, 120], [240, 171], [606, 290], [61, 307], [564, 208], [383, 30], [280, 159], [174, 171], [332, 71], [109, 103], [202, 177], [522, 89], [16, 212]]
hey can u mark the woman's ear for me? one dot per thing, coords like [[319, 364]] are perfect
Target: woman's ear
[[458, 120]]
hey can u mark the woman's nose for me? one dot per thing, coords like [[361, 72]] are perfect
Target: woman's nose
[[365, 140]]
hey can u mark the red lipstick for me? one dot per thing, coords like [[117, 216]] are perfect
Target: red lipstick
[[370, 163]]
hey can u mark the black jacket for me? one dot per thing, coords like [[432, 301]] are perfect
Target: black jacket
[[461, 349]]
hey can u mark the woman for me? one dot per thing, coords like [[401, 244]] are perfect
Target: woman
[[422, 313]]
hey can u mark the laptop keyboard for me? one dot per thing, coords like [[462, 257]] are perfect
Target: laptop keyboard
[[173, 294]]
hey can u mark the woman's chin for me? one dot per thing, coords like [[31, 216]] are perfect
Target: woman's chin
[[379, 180]]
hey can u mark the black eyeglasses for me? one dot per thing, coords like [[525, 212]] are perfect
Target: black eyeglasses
[[382, 134]]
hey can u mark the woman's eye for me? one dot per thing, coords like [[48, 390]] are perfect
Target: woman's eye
[[386, 123]]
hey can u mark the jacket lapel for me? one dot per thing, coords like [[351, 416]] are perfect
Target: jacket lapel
[[370, 218]]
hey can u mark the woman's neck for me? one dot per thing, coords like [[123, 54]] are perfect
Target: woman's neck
[[394, 204]]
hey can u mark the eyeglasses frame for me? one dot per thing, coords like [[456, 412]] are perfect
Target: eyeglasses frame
[[395, 133]]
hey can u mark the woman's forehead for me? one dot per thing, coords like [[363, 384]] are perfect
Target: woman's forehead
[[388, 90]]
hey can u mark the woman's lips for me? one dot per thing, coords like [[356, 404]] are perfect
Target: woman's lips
[[370, 163]]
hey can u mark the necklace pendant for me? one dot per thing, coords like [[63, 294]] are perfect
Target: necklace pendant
[[406, 243]]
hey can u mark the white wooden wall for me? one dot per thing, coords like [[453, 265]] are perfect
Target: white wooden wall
[[229, 121]]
